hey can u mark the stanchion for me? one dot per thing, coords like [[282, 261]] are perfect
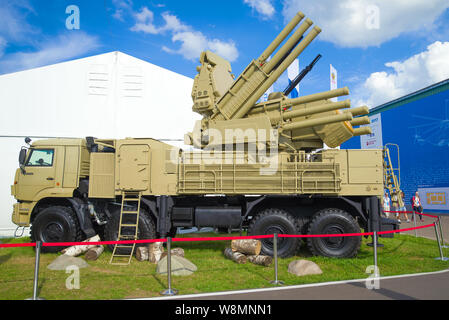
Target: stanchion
[[414, 222], [275, 253], [441, 233], [375, 248], [441, 257], [169, 291], [36, 271]]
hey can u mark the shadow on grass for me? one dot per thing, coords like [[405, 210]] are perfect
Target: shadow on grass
[[4, 258]]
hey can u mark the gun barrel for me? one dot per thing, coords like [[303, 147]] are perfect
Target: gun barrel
[[243, 110], [318, 121], [301, 76], [281, 36], [359, 111]]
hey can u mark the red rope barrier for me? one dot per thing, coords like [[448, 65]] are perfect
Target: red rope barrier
[[67, 244]]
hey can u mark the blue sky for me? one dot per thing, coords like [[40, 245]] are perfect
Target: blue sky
[[381, 49]]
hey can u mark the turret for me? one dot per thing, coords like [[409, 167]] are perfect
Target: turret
[[231, 114]]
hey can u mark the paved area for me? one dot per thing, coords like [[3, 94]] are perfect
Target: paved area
[[428, 286], [427, 232]]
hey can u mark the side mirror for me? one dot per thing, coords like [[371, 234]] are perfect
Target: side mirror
[[27, 140], [22, 156]]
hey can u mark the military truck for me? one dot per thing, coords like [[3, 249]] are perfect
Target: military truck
[[256, 166]]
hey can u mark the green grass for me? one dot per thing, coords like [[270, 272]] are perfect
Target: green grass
[[401, 255]]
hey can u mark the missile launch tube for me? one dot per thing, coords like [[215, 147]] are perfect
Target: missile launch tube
[[360, 120], [276, 59], [281, 36], [301, 100], [318, 121], [317, 109], [359, 111], [276, 73], [362, 131]]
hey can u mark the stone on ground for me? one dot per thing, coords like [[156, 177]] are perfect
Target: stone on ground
[[179, 266], [64, 261], [303, 268]]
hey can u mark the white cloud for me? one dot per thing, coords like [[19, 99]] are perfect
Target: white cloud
[[364, 23], [61, 48], [193, 42], [13, 23], [263, 7], [406, 76]]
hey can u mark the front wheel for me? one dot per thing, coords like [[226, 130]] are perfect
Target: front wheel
[[56, 224], [334, 221]]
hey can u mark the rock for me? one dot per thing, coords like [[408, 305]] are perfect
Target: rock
[[303, 268], [179, 266], [64, 261], [174, 252]]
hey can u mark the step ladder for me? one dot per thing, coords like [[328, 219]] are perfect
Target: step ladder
[[392, 176], [128, 228]]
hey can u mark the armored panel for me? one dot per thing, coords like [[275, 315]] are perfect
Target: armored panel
[[101, 181], [133, 167], [365, 166]]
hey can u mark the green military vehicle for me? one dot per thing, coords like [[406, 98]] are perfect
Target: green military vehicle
[[259, 167]]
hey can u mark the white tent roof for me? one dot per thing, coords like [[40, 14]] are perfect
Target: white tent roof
[[111, 95]]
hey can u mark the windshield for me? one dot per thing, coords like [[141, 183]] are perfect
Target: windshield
[[40, 158]]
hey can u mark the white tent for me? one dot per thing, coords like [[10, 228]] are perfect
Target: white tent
[[112, 95]]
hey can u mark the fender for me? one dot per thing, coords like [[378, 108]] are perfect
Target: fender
[[83, 215]]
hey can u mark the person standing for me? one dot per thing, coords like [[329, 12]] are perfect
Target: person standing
[[386, 202], [417, 206], [403, 209]]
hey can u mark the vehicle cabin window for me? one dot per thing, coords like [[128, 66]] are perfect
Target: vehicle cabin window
[[41, 158]]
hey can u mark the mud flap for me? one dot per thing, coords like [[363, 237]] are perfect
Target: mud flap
[[388, 225]]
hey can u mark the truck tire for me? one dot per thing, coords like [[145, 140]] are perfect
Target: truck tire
[[271, 221], [146, 228], [56, 224], [334, 221]]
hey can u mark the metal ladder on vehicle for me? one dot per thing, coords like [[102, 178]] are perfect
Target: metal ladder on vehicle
[[123, 253], [391, 181]]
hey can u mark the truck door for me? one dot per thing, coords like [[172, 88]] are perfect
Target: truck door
[[134, 167], [39, 174]]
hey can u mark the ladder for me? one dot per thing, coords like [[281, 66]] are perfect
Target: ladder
[[391, 180], [128, 228]]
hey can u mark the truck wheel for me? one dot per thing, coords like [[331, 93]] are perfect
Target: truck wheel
[[278, 221], [56, 224], [334, 221], [146, 228]]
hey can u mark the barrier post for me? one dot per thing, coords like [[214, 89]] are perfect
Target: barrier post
[[441, 233], [441, 257], [375, 249], [36, 271], [414, 221], [169, 291], [275, 253]]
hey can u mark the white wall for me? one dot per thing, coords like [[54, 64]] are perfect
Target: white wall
[[112, 95]]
